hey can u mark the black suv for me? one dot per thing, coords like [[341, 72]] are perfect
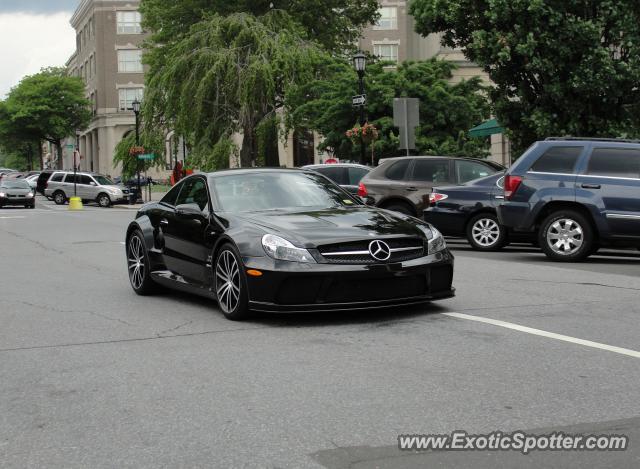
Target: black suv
[[576, 195]]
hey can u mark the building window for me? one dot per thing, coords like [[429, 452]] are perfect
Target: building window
[[92, 62], [128, 96], [129, 22], [130, 61], [386, 51], [388, 18]]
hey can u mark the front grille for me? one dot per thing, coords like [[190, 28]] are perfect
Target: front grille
[[357, 252]]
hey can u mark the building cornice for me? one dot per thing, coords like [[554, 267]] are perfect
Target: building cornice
[[86, 5]]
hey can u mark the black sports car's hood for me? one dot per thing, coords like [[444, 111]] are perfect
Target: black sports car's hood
[[313, 228]]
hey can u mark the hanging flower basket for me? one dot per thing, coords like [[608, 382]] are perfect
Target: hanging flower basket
[[135, 151], [366, 134]]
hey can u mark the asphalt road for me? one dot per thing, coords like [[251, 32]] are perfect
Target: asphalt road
[[93, 376]]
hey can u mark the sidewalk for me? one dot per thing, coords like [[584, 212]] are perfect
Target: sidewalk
[[155, 197]]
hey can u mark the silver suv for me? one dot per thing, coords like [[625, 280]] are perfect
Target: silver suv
[[90, 188]]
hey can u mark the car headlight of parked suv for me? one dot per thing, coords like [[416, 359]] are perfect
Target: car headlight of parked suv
[[281, 249]]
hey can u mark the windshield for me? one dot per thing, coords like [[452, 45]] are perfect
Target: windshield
[[15, 184], [103, 181], [277, 191]]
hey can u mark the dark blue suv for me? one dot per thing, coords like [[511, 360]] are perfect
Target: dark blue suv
[[576, 195]]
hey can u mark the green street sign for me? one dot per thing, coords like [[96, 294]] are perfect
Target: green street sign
[[146, 156], [70, 146]]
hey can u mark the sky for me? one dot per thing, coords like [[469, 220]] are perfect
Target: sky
[[33, 34]]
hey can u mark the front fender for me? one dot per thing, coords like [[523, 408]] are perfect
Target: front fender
[[144, 225]]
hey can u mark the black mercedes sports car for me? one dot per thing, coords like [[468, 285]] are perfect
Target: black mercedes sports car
[[284, 240]]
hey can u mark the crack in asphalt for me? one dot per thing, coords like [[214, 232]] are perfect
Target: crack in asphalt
[[135, 339], [586, 284], [161, 333], [60, 310]]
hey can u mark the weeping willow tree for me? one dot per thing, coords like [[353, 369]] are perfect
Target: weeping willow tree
[[230, 74], [151, 140]]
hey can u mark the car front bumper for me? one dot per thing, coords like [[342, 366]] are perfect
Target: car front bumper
[[296, 287], [5, 201]]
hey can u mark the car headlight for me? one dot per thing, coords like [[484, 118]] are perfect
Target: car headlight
[[281, 249], [30, 194], [2, 194], [436, 242]]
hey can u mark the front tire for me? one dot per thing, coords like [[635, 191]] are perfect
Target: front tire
[[567, 236], [138, 265], [231, 284], [104, 201], [485, 233], [59, 198]]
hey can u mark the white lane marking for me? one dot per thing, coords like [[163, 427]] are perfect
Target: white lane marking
[[10, 218], [551, 335]]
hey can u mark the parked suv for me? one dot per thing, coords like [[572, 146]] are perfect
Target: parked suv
[[403, 184], [89, 187], [346, 175], [575, 195]]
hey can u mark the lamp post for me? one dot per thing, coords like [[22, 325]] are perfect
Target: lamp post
[[75, 165], [136, 110], [360, 63]]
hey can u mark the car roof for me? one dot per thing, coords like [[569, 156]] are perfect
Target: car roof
[[227, 172], [339, 165]]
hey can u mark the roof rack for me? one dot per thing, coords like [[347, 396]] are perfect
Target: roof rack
[[592, 139]]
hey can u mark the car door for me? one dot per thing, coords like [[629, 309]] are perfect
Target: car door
[[85, 189], [68, 185], [425, 174], [611, 180], [186, 250]]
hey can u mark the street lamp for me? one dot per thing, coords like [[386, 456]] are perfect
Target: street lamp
[[75, 165], [136, 110], [360, 64]]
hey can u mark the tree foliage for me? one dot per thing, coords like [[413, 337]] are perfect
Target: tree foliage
[[229, 74], [151, 140], [335, 24], [567, 67], [46, 106], [447, 110]]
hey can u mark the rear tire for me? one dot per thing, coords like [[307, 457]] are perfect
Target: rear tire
[[59, 198], [401, 208], [138, 265], [485, 233], [230, 284], [567, 236]]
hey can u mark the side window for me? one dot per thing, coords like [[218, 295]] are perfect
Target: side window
[[84, 179], [615, 162], [470, 170], [69, 178], [194, 191], [558, 160], [397, 170], [431, 171], [336, 173], [356, 175], [172, 195], [57, 177]]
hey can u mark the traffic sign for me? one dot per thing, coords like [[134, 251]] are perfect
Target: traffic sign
[[359, 100], [70, 146], [146, 156]]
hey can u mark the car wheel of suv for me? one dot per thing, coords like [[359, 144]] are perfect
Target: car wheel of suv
[[59, 198], [485, 233], [566, 235], [104, 201], [231, 284], [399, 207], [138, 265]]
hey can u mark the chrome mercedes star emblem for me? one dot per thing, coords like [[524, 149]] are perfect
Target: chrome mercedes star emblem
[[379, 250]]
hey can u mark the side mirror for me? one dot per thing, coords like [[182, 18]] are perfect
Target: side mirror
[[189, 211]]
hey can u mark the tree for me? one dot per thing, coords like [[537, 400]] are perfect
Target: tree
[[335, 24], [447, 110], [567, 67], [230, 74], [153, 143], [46, 106]]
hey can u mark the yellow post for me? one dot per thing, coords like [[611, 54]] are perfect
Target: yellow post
[[75, 203]]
